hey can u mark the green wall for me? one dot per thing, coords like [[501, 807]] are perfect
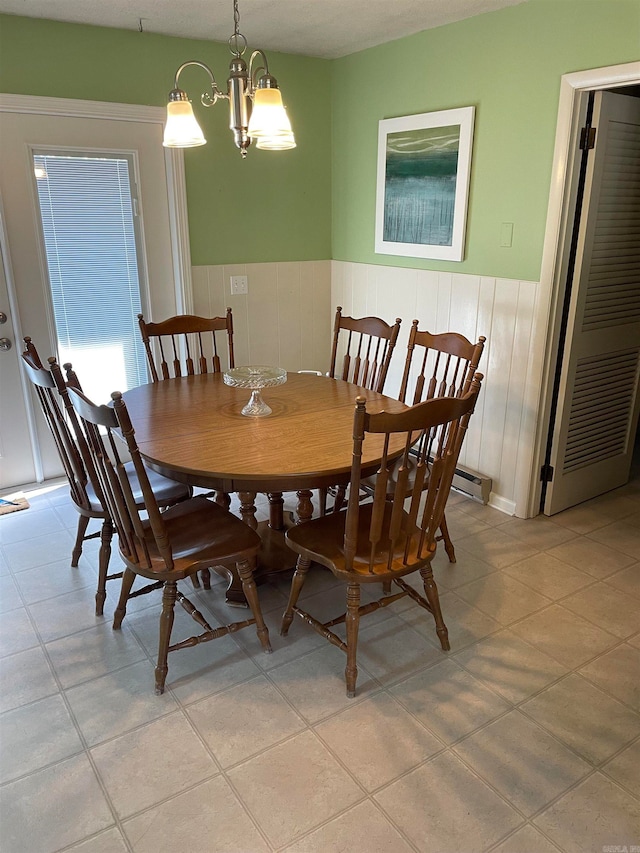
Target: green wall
[[273, 206], [508, 65]]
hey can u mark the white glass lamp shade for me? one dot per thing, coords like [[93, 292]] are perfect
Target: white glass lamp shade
[[268, 116], [182, 130], [277, 143]]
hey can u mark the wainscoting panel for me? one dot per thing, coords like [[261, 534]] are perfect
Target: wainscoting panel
[[286, 319]]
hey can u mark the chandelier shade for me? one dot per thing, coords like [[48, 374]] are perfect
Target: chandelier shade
[[256, 110]]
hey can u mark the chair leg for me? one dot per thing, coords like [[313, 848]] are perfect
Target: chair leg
[[251, 594], [352, 623], [299, 577], [169, 595], [448, 544], [106, 534], [120, 612], [338, 502], [83, 523], [431, 592]]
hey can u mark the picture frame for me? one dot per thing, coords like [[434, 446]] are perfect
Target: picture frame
[[424, 167]]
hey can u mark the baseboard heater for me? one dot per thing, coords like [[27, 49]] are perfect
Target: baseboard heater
[[470, 483]]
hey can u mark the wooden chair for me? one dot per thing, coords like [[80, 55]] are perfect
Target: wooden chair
[[170, 546], [436, 366], [184, 345], [84, 485], [366, 346], [386, 540]]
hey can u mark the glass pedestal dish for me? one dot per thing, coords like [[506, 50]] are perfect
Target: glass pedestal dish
[[255, 378]]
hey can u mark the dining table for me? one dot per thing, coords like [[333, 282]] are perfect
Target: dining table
[[191, 429]]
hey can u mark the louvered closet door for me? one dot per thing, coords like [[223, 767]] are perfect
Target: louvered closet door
[[599, 397]]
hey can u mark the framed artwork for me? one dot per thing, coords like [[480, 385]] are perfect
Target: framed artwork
[[424, 165]]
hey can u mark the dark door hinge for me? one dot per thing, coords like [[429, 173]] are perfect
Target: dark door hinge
[[546, 473], [587, 138]]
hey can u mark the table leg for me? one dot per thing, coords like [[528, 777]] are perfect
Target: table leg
[[305, 505], [248, 508], [276, 510]]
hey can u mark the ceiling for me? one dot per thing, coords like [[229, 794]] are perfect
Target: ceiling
[[323, 28]]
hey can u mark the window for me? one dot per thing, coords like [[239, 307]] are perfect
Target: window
[[87, 207]]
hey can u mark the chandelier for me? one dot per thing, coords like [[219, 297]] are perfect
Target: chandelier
[[256, 111]]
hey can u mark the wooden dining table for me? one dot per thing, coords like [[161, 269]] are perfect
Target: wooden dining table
[[191, 429]]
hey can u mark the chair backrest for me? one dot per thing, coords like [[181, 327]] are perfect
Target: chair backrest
[[366, 347], [402, 532], [99, 424], [441, 365], [186, 344], [48, 392]]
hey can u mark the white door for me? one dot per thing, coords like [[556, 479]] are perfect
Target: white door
[[165, 280], [599, 396]]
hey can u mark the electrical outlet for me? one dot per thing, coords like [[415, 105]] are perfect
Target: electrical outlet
[[239, 284]]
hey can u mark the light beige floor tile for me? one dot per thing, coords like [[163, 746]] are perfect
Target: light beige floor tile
[[19, 526], [595, 513], [4, 566], [392, 650], [10, 598], [617, 672], [244, 720], [206, 819], [448, 700], [628, 580], [526, 840], [25, 677], [149, 755], [624, 768], [466, 568], [16, 632], [634, 641], [496, 548], [92, 653], [465, 624], [564, 635], [597, 815], [615, 611], [118, 702], [511, 667], [482, 512], [345, 834], [549, 576], [39, 550], [110, 841], [460, 524], [525, 764], [294, 787], [59, 579], [539, 532], [315, 685], [443, 807], [502, 598], [66, 614], [362, 739], [591, 557], [53, 808], [36, 735], [620, 536], [584, 717]]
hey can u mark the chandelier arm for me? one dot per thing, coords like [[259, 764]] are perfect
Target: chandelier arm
[[206, 99], [259, 70]]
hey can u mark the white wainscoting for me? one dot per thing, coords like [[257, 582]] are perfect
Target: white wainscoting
[[287, 317]]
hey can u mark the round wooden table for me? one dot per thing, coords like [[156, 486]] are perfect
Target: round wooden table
[[191, 429]]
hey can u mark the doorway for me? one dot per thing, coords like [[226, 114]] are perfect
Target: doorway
[[575, 89], [35, 124]]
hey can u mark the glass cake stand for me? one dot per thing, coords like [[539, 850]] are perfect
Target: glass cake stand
[[255, 378]]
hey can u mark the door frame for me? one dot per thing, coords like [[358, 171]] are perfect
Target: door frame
[[560, 213], [177, 201]]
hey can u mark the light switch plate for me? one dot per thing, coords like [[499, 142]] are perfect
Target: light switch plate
[[239, 285]]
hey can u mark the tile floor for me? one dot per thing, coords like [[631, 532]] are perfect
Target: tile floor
[[524, 738]]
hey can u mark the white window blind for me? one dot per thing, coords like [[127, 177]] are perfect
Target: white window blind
[[87, 214]]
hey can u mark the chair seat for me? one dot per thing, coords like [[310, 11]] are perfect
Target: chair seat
[[200, 532], [322, 540]]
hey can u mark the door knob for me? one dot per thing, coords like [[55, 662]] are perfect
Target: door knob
[[5, 344]]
